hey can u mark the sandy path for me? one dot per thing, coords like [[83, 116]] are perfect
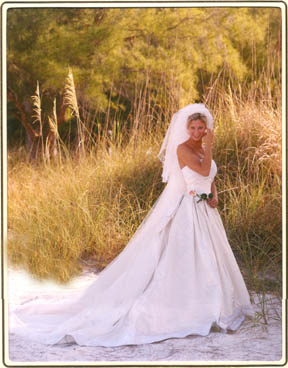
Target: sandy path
[[254, 341]]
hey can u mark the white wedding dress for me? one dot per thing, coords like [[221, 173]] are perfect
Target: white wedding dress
[[173, 280]]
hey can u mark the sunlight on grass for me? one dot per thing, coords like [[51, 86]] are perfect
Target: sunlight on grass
[[64, 212]]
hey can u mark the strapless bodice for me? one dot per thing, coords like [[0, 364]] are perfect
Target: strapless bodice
[[198, 182]]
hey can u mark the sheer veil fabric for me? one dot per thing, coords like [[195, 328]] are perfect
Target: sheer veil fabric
[[176, 276]]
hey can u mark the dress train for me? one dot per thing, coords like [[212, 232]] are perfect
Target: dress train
[[173, 280]]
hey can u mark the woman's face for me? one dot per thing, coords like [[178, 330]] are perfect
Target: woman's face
[[196, 129]]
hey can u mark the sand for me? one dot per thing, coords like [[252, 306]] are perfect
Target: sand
[[253, 341]]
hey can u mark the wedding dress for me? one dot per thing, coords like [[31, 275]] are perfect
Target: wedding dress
[[177, 276]]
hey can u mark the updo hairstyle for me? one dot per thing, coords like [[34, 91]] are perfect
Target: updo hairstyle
[[196, 116]]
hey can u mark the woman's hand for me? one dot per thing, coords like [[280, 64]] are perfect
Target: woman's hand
[[208, 137], [213, 202]]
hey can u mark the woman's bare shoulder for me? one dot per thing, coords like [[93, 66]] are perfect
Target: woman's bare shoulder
[[187, 156], [183, 147]]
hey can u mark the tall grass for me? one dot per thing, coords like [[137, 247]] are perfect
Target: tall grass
[[248, 153], [60, 213], [65, 213]]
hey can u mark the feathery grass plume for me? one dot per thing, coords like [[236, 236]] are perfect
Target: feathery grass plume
[[36, 103], [70, 101], [70, 97], [52, 120], [52, 139]]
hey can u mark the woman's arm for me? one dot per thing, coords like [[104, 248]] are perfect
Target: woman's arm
[[192, 161], [214, 201]]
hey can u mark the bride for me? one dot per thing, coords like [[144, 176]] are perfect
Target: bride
[[177, 275]]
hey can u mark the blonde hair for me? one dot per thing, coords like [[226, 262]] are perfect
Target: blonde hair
[[196, 116]]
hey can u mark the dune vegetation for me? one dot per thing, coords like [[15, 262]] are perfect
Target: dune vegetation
[[77, 196]]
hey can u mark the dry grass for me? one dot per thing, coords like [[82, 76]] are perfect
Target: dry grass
[[60, 213], [65, 212], [248, 149]]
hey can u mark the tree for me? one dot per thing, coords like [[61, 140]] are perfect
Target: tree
[[165, 56]]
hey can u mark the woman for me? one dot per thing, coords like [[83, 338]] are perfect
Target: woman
[[192, 153], [177, 275]]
